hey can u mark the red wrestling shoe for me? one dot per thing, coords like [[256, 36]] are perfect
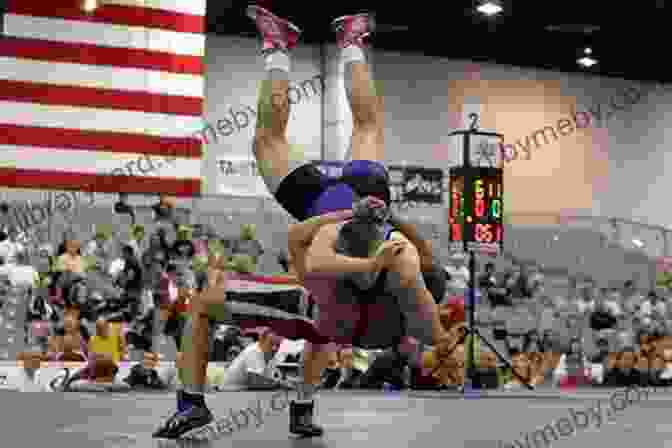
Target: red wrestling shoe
[[352, 30], [276, 33]]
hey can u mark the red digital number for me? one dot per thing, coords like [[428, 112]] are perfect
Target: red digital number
[[456, 232], [499, 233], [455, 208], [479, 208], [482, 233]]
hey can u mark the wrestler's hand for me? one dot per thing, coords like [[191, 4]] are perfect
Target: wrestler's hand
[[388, 252]]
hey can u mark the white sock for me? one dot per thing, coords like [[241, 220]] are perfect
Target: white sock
[[278, 60], [353, 53]]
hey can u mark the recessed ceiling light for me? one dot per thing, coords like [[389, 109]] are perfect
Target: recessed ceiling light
[[490, 8], [586, 60]]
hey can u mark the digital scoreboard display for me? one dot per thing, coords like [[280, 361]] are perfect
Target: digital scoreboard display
[[476, 208]]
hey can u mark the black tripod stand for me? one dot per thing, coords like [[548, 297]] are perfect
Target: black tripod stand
[[472, 330]]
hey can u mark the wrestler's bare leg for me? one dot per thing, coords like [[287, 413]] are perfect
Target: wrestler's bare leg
[[192, 413], [366, 103], [271, 148], [204, 306], [405, 277]]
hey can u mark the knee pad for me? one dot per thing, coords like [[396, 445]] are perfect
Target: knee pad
[[368, 178]]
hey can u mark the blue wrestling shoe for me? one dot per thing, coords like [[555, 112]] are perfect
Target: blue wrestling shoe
[[193, 414]]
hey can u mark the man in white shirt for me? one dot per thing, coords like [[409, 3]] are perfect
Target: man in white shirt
[[586, 303], [253, 367], [9, 250], [459, 274], [652, 307]]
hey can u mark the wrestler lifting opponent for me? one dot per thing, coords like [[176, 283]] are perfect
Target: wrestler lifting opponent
[[302, 190]]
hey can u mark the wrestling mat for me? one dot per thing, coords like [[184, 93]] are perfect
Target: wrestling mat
[[351, 419]]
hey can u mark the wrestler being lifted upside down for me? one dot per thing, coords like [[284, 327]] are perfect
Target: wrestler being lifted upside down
[[325, 246], [346, 234]]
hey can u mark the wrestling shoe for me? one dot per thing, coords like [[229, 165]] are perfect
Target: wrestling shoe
[[301, 420], [193, 417], [276, 33], [352, 30]]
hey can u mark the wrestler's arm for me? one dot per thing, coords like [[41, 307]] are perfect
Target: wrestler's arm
[[322, 257], [300, 236], [424, 246]]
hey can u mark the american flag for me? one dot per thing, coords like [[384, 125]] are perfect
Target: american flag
[[109, 100]]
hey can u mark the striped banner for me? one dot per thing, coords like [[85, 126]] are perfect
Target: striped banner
[[105, 101]]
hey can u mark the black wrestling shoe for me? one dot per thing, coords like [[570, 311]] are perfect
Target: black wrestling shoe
[[301, 420], [182, 422]]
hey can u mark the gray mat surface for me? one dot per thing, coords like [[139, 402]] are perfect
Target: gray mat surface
[[29, 420]]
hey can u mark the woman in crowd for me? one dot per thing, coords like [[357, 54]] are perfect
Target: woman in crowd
[[131, 283]]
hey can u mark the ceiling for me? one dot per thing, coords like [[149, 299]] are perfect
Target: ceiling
[[628, 33]]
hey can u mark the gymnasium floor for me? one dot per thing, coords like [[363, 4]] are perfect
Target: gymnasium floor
[[352, 419]]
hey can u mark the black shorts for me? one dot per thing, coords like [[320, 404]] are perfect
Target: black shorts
[[306, 192], [300, 189]]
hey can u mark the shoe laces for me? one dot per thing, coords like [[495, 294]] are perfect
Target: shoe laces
[[177, 419], [358, 24]]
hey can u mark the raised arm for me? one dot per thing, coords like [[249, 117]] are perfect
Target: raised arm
[[300, 237]]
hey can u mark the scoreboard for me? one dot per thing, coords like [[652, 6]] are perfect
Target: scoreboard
[[476, 208]]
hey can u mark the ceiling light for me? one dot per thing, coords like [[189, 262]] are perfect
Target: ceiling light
[[637, 242], [586, 60], [490, 7], [555, 238]]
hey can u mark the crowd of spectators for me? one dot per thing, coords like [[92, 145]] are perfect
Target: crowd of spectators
[[95, 301]]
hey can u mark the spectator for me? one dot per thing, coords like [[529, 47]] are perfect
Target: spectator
[[72, 325], [107, 349], [156, 252], [600, 360], [632, 299], [98, 247], [573, 367], [252, 368], [331, 375], [585, 303], [9, 249], [226, 345], [387, 367], [519, 283], [487, 282], [72, 350], [130, 280], [623, 370], [351, 371], [522, 367], [70, 256], [604, 316], [458, 273], [653, 311]]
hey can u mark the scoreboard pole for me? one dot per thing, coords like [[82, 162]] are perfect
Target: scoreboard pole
[[470, 237]]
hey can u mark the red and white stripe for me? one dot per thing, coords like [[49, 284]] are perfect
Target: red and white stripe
[[83, 95]]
